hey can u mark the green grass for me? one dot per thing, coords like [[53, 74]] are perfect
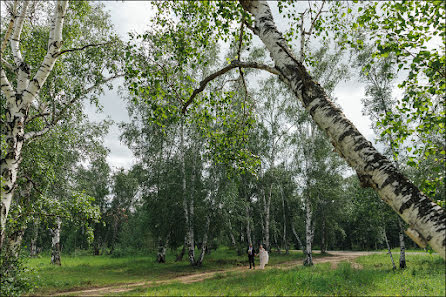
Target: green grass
[[425, 276], [95, 271]]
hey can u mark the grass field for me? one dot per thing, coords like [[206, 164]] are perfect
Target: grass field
[[95, 271], [424, 276]]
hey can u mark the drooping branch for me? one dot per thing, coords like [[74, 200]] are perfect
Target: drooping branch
[[232, 65]]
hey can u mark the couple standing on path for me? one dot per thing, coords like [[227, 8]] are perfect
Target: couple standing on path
[[263, 256]]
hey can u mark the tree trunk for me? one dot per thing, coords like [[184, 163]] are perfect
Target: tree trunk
[[55, 242], [402, 245], [162, 248], [284, 241], [204, 244], [248, 227], [34, 237], [18, 102], [388, 250], [426, 219], [267, 204], [308, 232], [179, 257], [231, 235]]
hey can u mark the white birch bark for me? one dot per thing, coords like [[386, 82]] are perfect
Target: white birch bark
[[33, 247], [299, 242], [248, 220], [55, 242], [308, 261], [18, 102], [425, 218], [162, 248]]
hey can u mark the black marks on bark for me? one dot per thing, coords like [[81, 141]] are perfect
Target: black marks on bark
[[18, 99], [362, 145], [365, 180], [25, 68], [313, 109], [37, 83], [348, 132]]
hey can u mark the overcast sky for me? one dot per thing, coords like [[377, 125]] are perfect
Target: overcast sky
[[133, 16]]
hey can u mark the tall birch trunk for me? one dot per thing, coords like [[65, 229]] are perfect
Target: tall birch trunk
[[308, 232], [248, 221], [402, 245], [324, 235], [284, 241], [18, 101], [55, 242], [267, 204], [179, 257], [426, 219]]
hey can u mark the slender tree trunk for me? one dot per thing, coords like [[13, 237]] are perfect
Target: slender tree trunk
[[308, 232], [402, 245], [231, 235], [248, 227], [388, 249], [267, 204], [55, 242], [204, 244], [426, 219], [179, 257], [34, 237], [284, 241], [162, 248]]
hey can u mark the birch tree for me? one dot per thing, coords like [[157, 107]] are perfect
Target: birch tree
[[31, 80]]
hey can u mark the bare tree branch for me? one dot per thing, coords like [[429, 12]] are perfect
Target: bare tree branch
[[234, 64], [15, 38], [6, 86]]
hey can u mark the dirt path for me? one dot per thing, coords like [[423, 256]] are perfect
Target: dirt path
[[335, 258]]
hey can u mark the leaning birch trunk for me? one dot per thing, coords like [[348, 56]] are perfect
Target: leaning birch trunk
[[388, 250], [18, 101], [299, 242], [402, 245], [308, 233], [204, 244], [426, 219], [55, 242]]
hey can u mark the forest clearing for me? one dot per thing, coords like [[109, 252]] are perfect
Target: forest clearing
[[228, 275], [222, 147]]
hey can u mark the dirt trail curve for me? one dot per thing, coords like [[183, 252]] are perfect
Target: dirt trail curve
[[334, 258]]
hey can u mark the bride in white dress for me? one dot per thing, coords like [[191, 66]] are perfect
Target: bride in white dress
[[263, 256]]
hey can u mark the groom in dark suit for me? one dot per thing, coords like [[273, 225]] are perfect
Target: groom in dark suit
[[251, 254]]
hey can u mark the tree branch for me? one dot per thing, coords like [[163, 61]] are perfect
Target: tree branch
[[80, 48], [34, 134], [234, 64], [9, 66], [10, 26], [15, 38], [6, 86]]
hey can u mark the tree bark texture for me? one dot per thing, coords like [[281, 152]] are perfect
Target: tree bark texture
[[299, 242], [162, 248], [308, 261], [204, 244], [426, 219], [248, 221], [55, 242], [33, 247]]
